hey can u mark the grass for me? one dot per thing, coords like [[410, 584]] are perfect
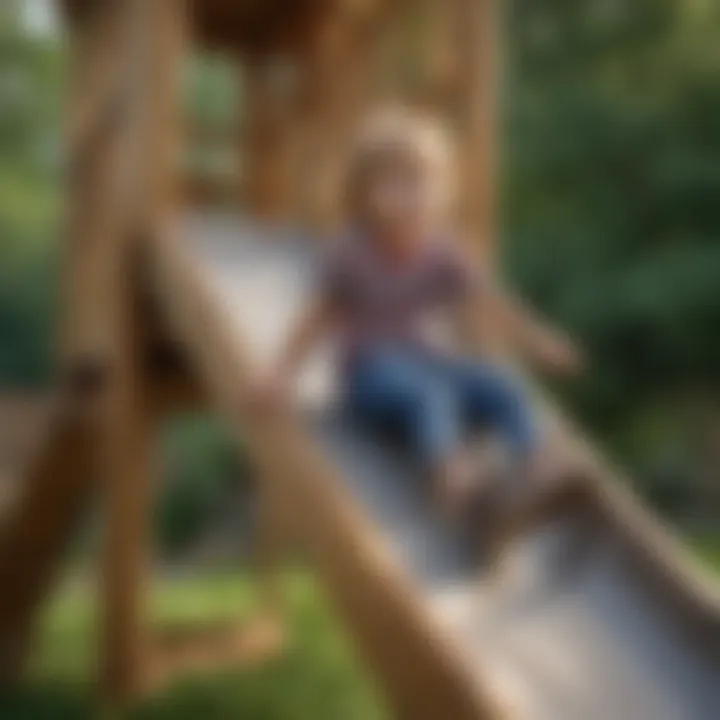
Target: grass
[[315, 678], [707, 545]]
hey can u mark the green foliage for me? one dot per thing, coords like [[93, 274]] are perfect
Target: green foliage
[[707, 545], [26, 295], [212, 104], [614, 225], [31, 71], [203, 473], [211, 91]]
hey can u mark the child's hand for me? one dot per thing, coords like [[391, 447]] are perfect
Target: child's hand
[[560, 354], [269, 395]]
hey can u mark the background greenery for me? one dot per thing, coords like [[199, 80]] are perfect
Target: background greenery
[[613, 218]]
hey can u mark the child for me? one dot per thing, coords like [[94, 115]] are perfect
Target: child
[[388, 295]]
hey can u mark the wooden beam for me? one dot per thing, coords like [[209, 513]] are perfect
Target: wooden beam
[[96, 70], [438, 57], [273, 544], [160, 30], [102, 344], [35, 535], [128, 470], [104, 127], [267, 136], [99, 181], [174, 387], [337, 69], [212, 189], [477, 41]]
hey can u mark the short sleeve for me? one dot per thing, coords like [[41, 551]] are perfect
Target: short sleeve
[[333, 279], [458, 277]]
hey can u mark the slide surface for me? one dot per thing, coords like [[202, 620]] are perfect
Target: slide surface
[[592, 636]]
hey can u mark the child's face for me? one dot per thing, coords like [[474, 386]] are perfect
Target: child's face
[[402, 197]]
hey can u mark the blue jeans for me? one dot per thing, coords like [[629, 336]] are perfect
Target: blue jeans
[[435, 401]]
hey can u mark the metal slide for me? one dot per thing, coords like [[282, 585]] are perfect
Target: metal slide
[[575, 627]]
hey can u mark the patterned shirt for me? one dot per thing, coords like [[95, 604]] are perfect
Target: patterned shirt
[[379, 301]]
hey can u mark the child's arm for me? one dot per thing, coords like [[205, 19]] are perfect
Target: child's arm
[[536, 339], [500, 323], [313, 324]]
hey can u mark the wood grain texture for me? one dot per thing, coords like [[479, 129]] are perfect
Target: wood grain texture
[[476, 106], [336, 65], [128, 426], [266, 138], [101, 131], [33, 539]]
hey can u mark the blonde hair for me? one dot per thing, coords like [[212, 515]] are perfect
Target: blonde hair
[[399, 132]]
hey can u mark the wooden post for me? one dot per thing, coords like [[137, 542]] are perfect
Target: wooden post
[[477, 31], [255, 141], [267, 136], [438, 58], [34, 536], [128, 423], [62, 476], [272, 546], [98, 134], [335, 74], [129, 469]]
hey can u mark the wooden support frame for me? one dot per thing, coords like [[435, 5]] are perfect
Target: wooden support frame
[[336, 69], [267, 137], [128, 474], [302, 109], [99, 131], [129, 163], [439, 62], [128, 425], [55, 492], [476, 30], [274, 543]]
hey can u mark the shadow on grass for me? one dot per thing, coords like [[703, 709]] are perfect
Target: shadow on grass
[[299, 686], [47, 701]]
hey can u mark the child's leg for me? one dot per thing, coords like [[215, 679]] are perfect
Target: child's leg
[[490, 397], [396, 389], [493, 398]]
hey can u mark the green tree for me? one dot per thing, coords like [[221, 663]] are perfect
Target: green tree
[[31, 70], [611, 184]]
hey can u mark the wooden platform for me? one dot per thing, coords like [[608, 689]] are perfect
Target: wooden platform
[[621, 634]]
